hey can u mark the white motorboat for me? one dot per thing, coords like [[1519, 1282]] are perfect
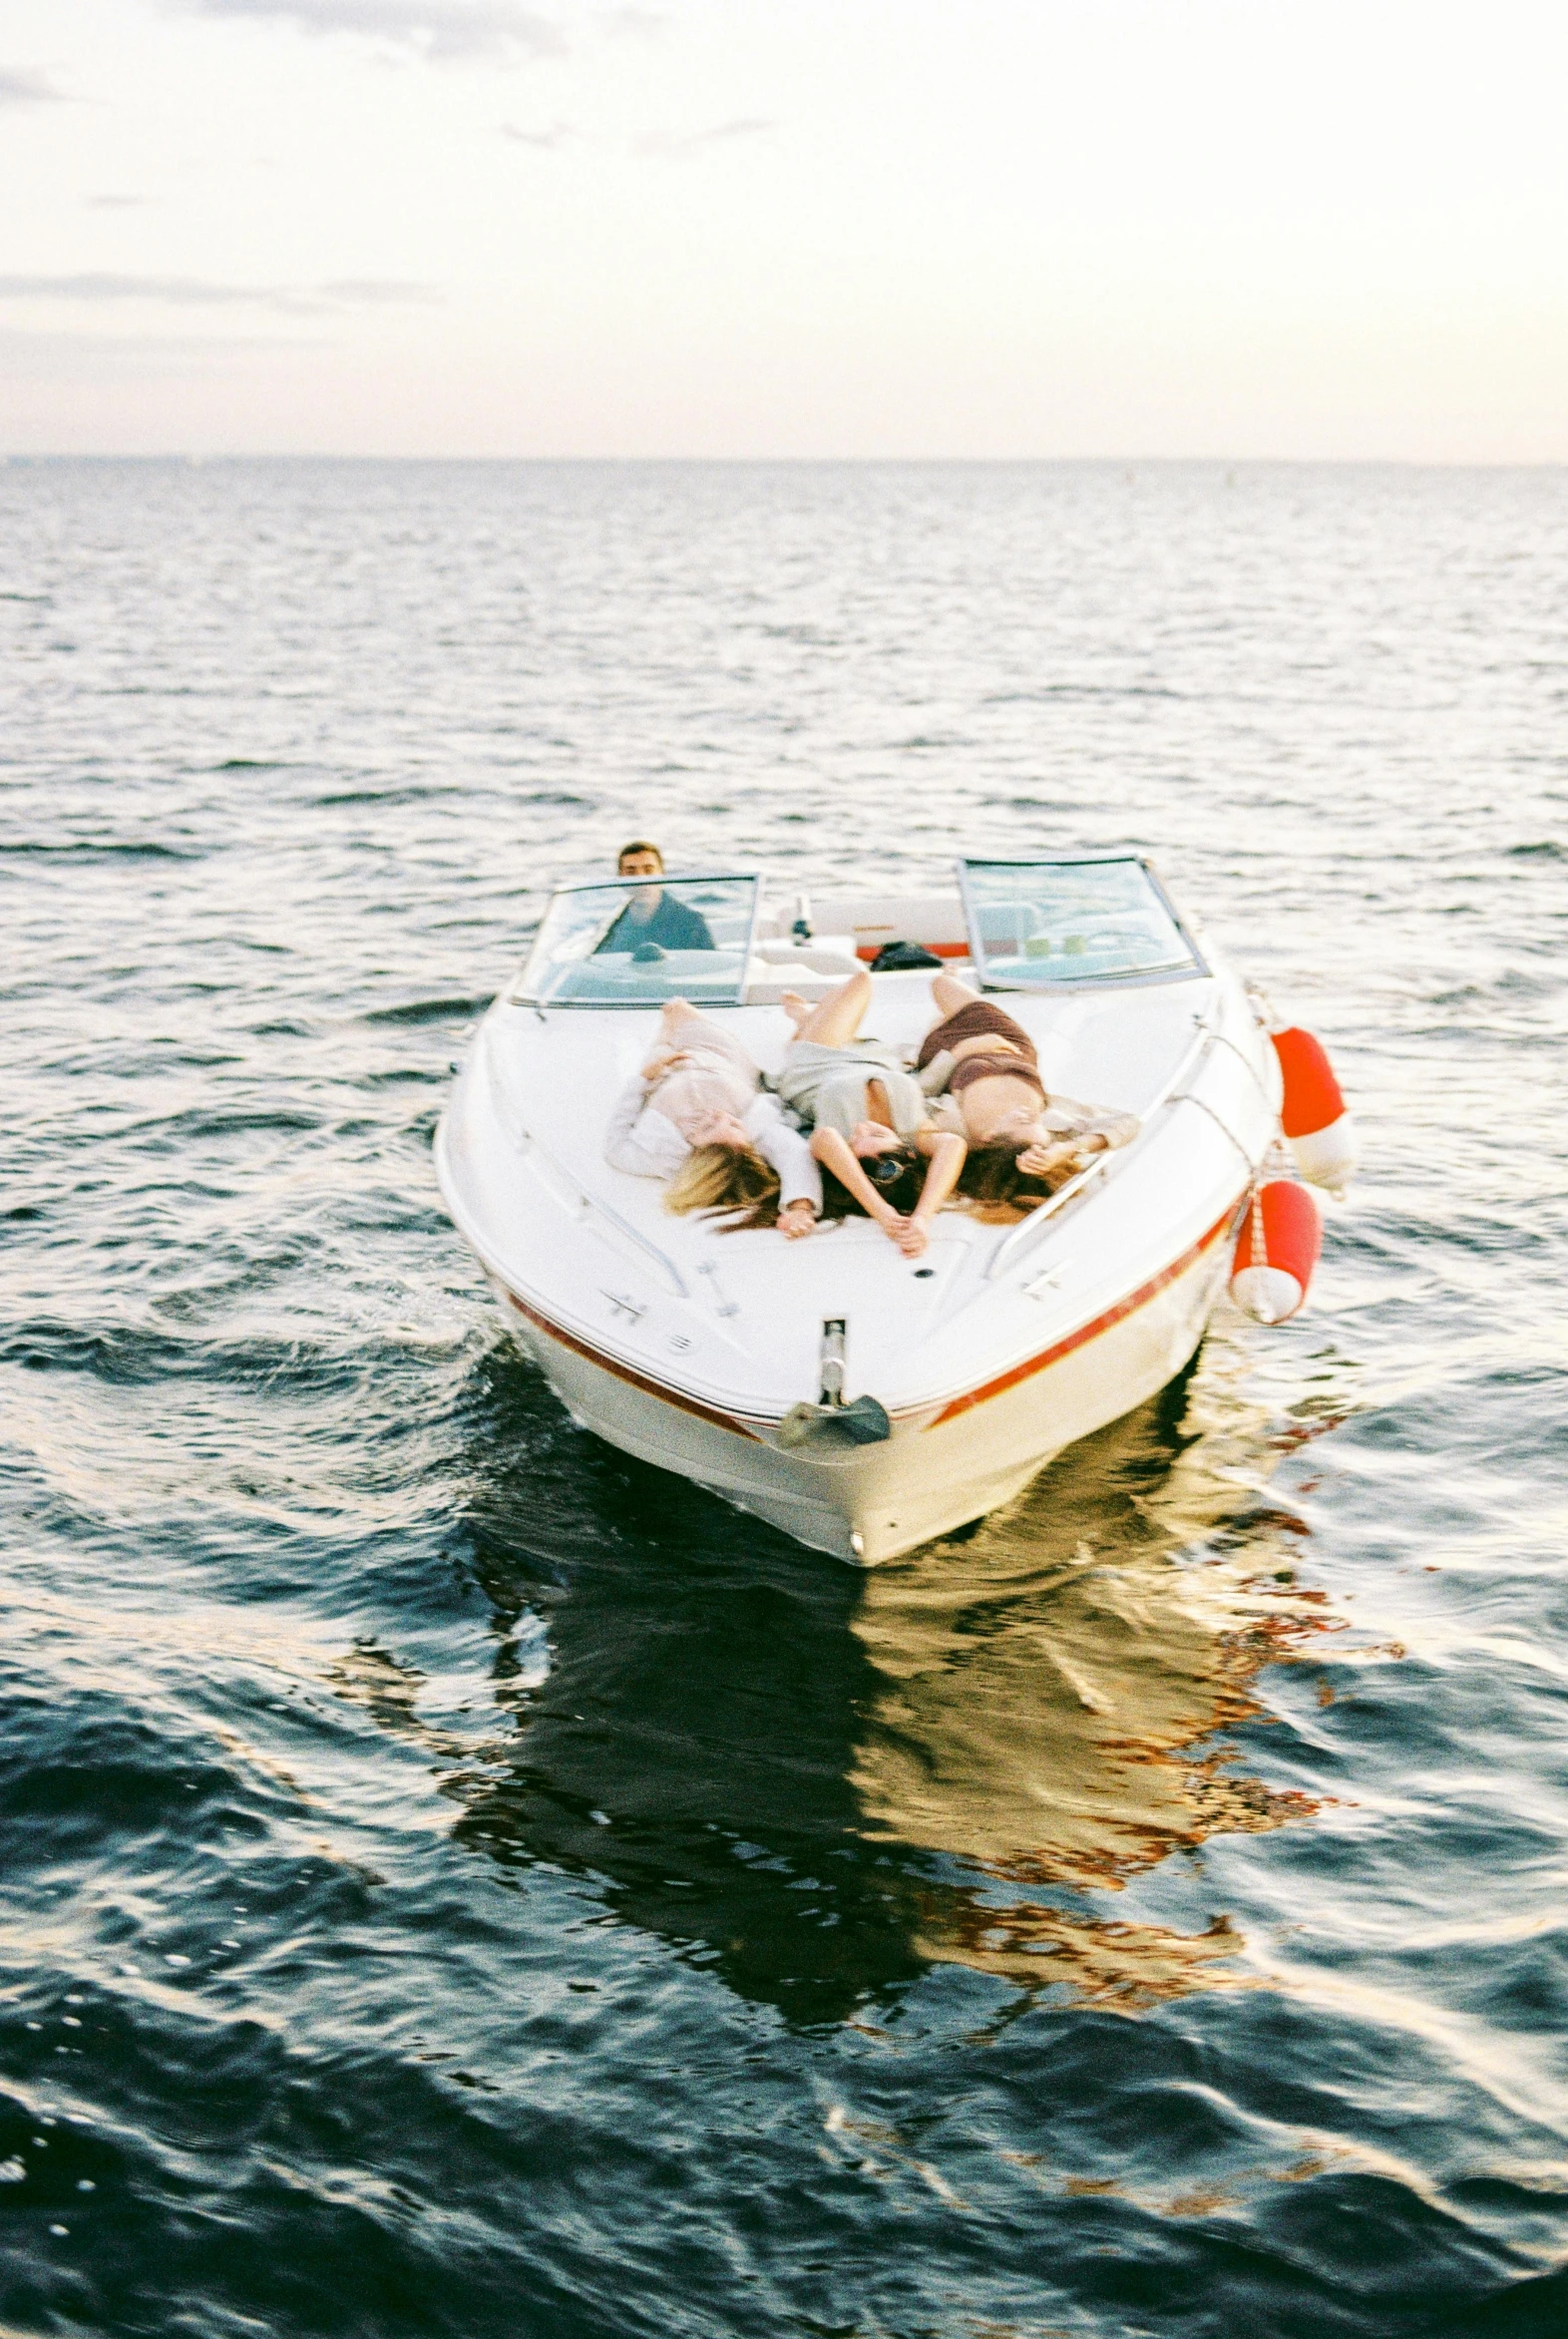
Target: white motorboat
[[755, 1365]]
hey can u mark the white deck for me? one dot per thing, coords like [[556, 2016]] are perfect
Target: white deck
[[732, 1324]]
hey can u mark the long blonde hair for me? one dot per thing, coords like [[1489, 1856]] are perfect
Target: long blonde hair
[[731, 1182]]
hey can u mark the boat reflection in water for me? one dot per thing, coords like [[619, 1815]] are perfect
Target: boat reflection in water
[[822, 1780], [1050, 1706]]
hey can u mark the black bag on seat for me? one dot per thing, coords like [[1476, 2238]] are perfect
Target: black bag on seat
[[902, 959]]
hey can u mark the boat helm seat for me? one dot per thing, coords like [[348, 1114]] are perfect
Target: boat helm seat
[[828, 956], [812, 969]]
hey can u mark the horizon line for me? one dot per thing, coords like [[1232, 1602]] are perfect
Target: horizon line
[[197, 460]]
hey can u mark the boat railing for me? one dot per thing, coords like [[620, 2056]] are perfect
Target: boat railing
[[585, 1202], [1209, 1036], [1022, 1237], [591, 1205]]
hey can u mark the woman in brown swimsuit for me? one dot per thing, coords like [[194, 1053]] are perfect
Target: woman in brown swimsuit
[[987, 1065]]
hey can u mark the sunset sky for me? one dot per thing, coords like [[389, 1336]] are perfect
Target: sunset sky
[[760, 228]]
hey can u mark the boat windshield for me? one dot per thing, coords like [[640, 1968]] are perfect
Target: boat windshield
[[1039, 925], [635, 942]]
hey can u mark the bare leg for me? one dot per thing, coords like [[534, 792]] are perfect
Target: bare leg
[[951, 995], [796, 1008], [679, 1028], [834, 1021], [681, 1024]]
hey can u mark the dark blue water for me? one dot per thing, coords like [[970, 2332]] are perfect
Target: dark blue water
[[458, 1880]]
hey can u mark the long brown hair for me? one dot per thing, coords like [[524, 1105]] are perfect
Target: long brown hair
[[730, 1183], [898, 1175], [991, 1179]]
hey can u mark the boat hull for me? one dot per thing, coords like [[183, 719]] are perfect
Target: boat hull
[[942, 1467], [690, 1346]]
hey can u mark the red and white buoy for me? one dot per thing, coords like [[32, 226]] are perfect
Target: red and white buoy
[[1277, 1251], [1314, 1116]]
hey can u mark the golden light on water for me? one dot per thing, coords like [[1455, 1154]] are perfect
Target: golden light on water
[[1051, 1689]]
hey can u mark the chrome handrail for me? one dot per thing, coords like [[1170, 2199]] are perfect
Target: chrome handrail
[[1225, 1130], [1021, 1237], [526, 1142], [1198, 1047]]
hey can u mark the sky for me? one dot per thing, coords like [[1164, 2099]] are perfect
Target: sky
[[1219, 229]]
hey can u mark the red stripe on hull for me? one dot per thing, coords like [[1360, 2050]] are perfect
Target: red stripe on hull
[[962, 1405], [1087, 1332], [938, 949], [655, 1389]]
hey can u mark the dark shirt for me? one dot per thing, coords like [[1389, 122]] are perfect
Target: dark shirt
[[672, 926]]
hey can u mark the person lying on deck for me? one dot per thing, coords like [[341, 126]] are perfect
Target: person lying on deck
[[870, 1122], [696, 1114], [983, 1068]]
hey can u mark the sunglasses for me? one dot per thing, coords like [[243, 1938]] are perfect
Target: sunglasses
[[884, 1169]]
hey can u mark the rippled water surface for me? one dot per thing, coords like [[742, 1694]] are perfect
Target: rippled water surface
[[458, 1880]]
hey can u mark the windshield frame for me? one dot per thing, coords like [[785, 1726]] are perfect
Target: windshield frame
[[521, 995], [1197, 971]]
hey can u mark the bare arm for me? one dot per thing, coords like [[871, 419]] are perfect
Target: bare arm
[[640, 1141], [946, 1153], [1073, 1133], [1094, 1128], [834, 1154], [800, 1180], [874, 1137]]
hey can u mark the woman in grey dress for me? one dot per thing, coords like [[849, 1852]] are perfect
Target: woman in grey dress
[[865, 1110]]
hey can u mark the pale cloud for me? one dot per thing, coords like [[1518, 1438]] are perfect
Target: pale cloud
[[374, 292], [557, 134], [94, 286], [687, 141], [638, 24], [21, 88], [85, 357], [432, 28], [792, 228]]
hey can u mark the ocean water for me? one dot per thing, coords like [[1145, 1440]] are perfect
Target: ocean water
[[456, 1880]]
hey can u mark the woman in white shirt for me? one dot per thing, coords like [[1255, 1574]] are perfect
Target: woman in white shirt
[[697, 1116]]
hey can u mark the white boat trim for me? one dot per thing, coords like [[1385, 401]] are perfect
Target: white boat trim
[[1000, 1347], [928, 1415], [1228, 1223]]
